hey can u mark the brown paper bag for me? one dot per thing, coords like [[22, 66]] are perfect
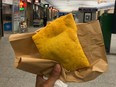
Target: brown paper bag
[[90, 36]]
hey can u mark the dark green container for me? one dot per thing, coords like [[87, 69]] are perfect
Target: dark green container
[[106, 21]]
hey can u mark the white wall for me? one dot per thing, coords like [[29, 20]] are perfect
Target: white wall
[[7, 1]]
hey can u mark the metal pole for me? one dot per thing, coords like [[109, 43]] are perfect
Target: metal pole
[[115, 7], [1, 20], [114, 19]]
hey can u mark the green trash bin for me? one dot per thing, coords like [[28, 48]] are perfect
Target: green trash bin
[[106, 21]]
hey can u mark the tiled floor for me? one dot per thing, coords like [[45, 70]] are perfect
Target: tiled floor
[[11, 77]]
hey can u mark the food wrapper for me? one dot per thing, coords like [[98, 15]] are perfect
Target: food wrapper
[[91, 39]]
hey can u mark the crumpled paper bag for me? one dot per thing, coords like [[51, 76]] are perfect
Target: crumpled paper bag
[[90, 36]]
